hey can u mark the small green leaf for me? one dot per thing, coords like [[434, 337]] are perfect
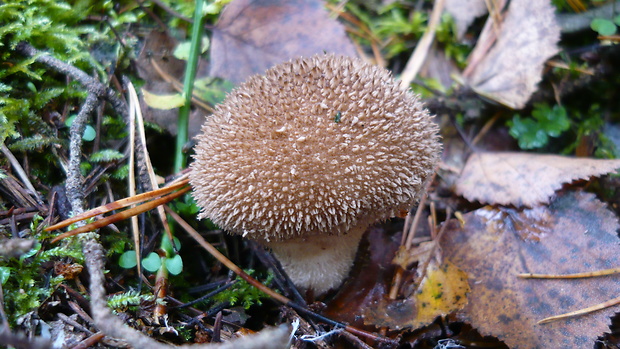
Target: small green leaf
[[167, 246], [553, 121], [164, 102], [527, 132], [69, 120], [212, 90], [5, 273], [127, 260], [31, 253], [121, 173], [89, 133], [31, 86], [215, 7], [152, 262], [174, 264], [603, 26], [106, 155], [127, 17], [182, 50]]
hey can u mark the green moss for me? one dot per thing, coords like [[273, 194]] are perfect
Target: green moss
[[243, 293], [27, 280]]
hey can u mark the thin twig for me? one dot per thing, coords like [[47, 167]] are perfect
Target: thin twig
[[209, 295], [431, 253], [416, 220], [179, 87], [90, 341], [75, 181], [487, 126]]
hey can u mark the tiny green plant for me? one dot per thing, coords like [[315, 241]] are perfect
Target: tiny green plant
[[604, 26], [167, 258], [546, 122], [123, 300], [24, 285], [243, 293]]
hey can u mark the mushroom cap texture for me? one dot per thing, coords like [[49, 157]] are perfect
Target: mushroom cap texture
[[317, 145]]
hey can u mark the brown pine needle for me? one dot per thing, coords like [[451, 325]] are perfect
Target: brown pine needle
[[124, 214], [122, 203], [591, 309], [571, 276]]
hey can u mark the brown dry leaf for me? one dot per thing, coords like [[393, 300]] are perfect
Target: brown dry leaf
[[511, 68], [576, 233], [524, 179], [443, 291], [252, 36], [465, 12]]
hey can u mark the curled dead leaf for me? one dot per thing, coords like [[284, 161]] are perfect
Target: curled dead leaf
[[465, 12], [524, 179], [513, 52]]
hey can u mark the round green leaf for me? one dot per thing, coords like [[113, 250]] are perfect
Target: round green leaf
[[603, 26], [69, 120], [31, 86], [152, 262], [89, 133], [127, 259], [174, 265], [182, 51], [167, 246], [5, 272]]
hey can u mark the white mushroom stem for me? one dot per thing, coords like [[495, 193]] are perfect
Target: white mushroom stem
[[319, 262]]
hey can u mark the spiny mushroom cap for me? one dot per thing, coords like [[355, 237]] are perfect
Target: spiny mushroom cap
[[315, 146]]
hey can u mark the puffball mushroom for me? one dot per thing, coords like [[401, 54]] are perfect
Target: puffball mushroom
[[304, 158]]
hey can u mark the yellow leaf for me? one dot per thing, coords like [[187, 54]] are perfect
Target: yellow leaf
[[444, 290], [164, 102]]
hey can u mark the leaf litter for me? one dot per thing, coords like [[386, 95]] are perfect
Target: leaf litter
[[496, 243], [575, 233]]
